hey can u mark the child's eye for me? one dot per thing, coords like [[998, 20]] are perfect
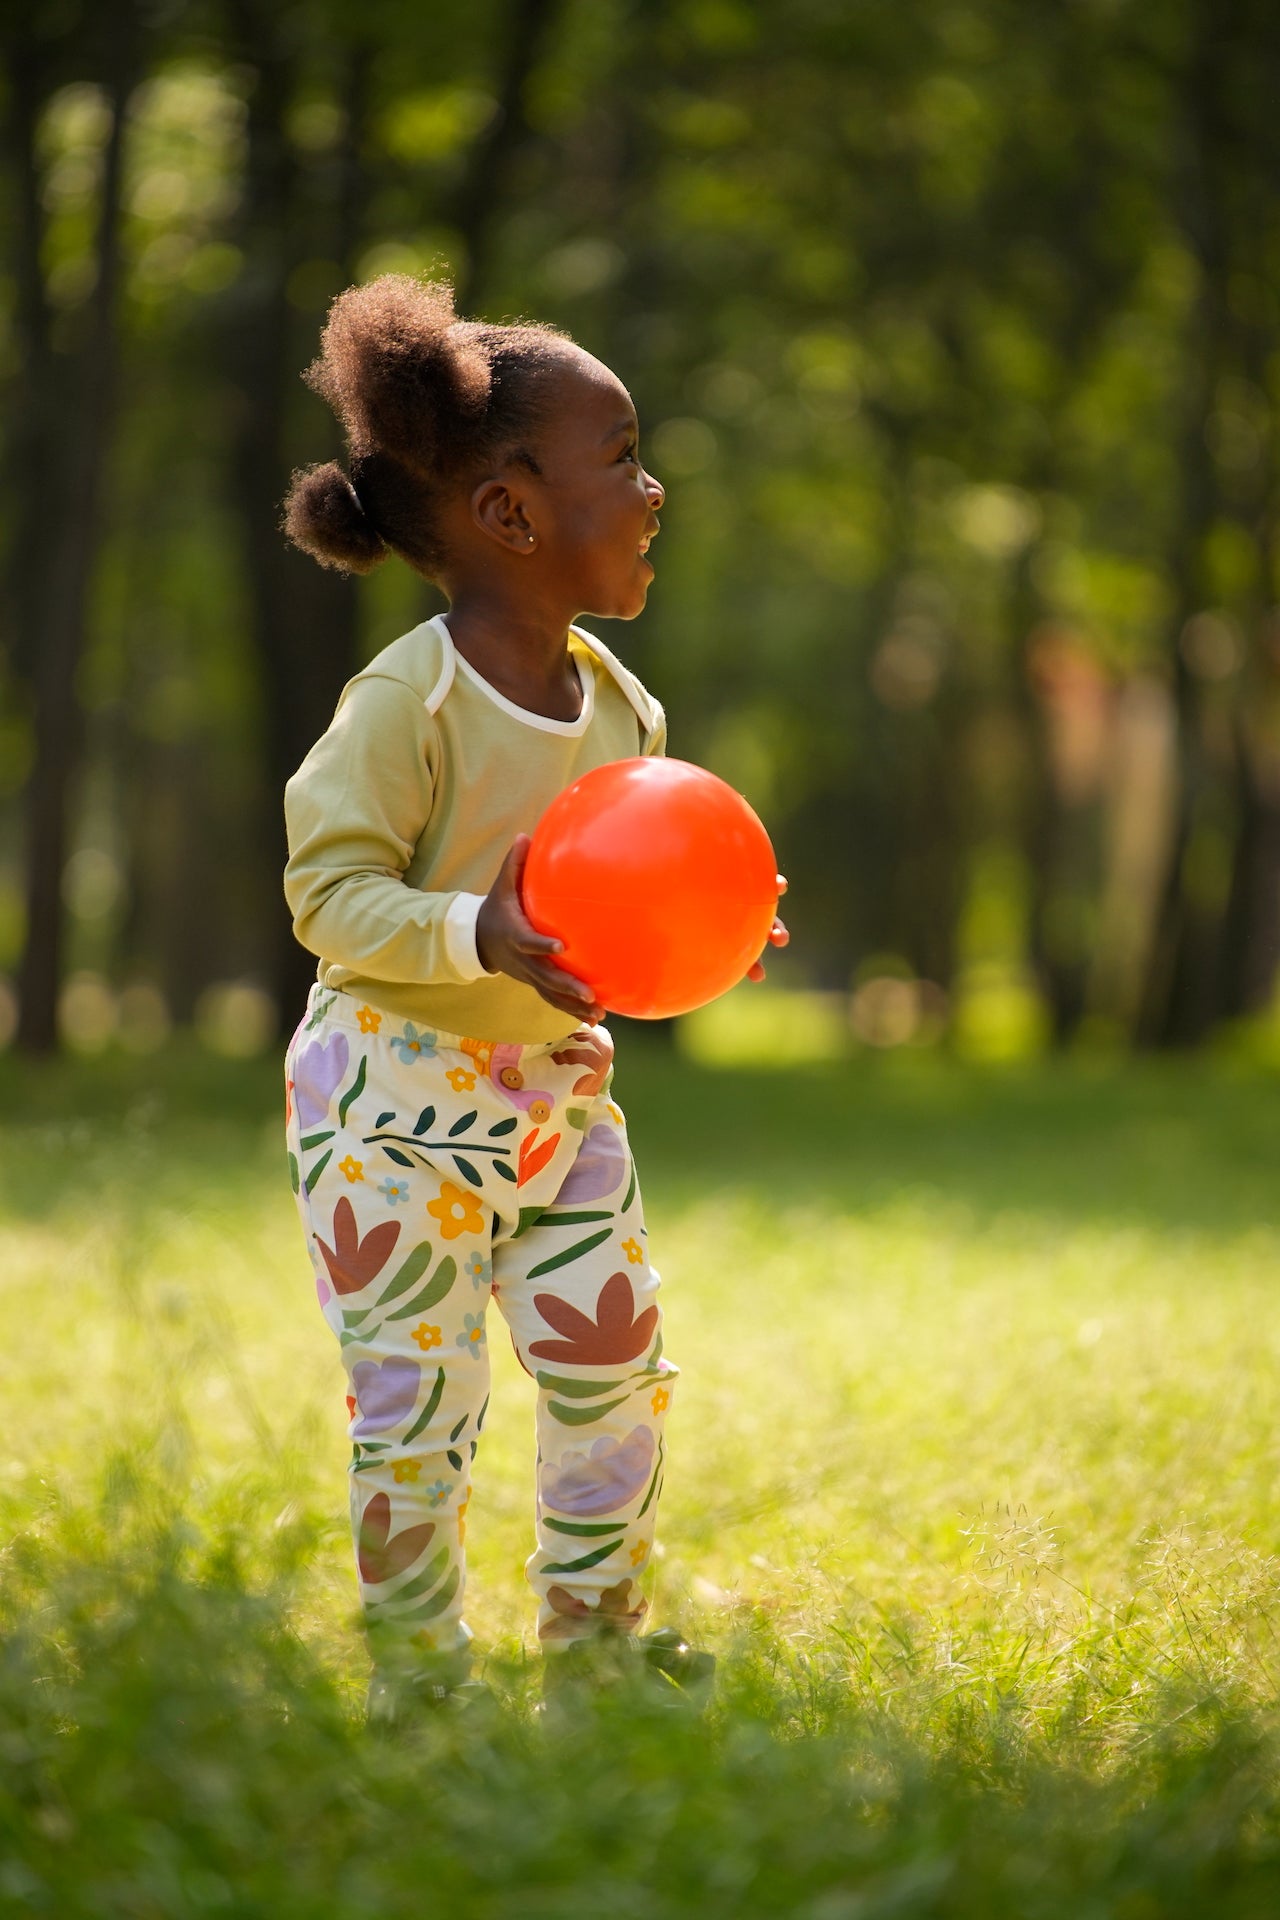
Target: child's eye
[[631, 454]]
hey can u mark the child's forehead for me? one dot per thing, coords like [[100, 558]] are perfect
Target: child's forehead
[[590, 392]]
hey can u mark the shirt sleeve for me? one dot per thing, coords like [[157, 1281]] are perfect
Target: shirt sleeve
[[355, 811]]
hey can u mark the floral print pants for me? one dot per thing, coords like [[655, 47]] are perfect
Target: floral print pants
[[433, 1173]]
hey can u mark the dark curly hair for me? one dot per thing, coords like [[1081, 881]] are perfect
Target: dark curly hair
[[425, 400]]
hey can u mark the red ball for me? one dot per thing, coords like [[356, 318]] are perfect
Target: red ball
[[659, 879]]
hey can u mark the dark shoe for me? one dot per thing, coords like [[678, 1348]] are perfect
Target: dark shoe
[[398, 1697], [663, 1662], [668, 1653]]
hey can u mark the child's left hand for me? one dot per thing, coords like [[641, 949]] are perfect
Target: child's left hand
[[778, 937]]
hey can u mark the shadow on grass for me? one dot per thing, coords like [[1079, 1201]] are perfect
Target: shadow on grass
[[1171, 1144], [170, 1749]]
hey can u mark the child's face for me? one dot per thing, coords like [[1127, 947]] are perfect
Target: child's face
[[595, 508]]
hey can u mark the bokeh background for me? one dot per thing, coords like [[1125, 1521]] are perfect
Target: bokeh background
[[952, 327]]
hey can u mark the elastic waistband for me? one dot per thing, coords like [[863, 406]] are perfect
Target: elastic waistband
[[338, 1009]]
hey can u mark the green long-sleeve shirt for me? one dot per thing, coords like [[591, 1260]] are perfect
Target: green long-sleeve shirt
[[402, 813]]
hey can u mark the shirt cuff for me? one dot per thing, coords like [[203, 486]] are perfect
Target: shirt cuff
[[460, 937]]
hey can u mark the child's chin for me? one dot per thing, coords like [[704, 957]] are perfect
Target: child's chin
[[621, 606]]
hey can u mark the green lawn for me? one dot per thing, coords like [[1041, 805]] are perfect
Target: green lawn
[[971, 1488]]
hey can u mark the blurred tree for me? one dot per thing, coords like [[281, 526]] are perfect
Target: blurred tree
[[61, 440], [952, 334]]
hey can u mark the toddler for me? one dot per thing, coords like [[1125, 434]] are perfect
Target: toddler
[[452, 1132]]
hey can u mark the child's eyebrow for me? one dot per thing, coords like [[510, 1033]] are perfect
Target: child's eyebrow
[[629, 427]]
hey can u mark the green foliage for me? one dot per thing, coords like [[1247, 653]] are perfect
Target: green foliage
[[933, 344]]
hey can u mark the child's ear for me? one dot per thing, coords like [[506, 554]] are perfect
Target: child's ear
[[502, 511]]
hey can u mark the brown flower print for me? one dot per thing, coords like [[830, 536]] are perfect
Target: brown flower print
[[616, 1334], [353, 1262]]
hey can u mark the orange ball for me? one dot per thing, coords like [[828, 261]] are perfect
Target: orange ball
[[659, 879]]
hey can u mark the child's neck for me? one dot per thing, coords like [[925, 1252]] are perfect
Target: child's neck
[[521, 650]]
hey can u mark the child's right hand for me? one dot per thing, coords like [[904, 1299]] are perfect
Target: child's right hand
[[506, 942]]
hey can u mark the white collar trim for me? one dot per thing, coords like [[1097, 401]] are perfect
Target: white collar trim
[[454, 661]]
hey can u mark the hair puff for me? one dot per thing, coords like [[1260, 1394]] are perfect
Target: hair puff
[[323, 516]]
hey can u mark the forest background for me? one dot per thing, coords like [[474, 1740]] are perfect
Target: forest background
[[952, 328]]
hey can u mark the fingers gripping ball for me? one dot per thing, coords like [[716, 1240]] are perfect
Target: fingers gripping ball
[[659, 879]]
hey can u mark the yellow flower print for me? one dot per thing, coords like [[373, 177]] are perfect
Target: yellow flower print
[[427, 1337], [615, 1114], [369, 1020], [460, 1080], [406, 1470], [457, 1211], [634, 1252], [354, 1169], [661, 1400], [462, 1519], [638, 1552], [481, 1051]]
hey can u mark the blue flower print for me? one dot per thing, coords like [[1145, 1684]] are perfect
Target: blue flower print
[[414, 1045], [394, 1192], [480, 1269], [473, 1337], [439, 1493]]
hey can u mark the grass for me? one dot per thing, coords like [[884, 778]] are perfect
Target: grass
[[972, 1481]]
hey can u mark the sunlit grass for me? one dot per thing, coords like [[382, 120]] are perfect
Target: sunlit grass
[[972, 1489]]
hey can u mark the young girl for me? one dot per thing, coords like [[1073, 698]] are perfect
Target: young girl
[[451, 1131]]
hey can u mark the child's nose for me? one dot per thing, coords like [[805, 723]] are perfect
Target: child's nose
[[656, 491]]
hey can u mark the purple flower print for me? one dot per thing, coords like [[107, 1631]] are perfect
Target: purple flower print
[[384, 1394], [317, 1075], [598, 1169], [609, 1477]]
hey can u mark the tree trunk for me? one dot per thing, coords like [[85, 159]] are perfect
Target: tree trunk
[[73, 513], [480, 195]]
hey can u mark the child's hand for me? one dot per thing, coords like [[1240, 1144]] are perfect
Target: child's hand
[[507, 943], [778, 937]]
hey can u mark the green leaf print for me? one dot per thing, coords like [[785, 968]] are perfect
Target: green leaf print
[[503, 1126], [592, 1559], [467, 1171], [460, 1126], [586, 1528], [508, 1173], [580, 1416], [550, 1219], [461, 1424], [454, 1459], [316, 1139], [631, 1190], [653, 1483], [401, 1159], [422, 1584], [576, 1116], [295, 1178], [413, 1269], [322, 1009], [433, 1401], [575, 1389], [575, 1252], [319, 1168], [439, 1601], [437, 1287], [354, 1091], [352, 1317], [427, 1118], [528, 1215], [384, 1119]]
